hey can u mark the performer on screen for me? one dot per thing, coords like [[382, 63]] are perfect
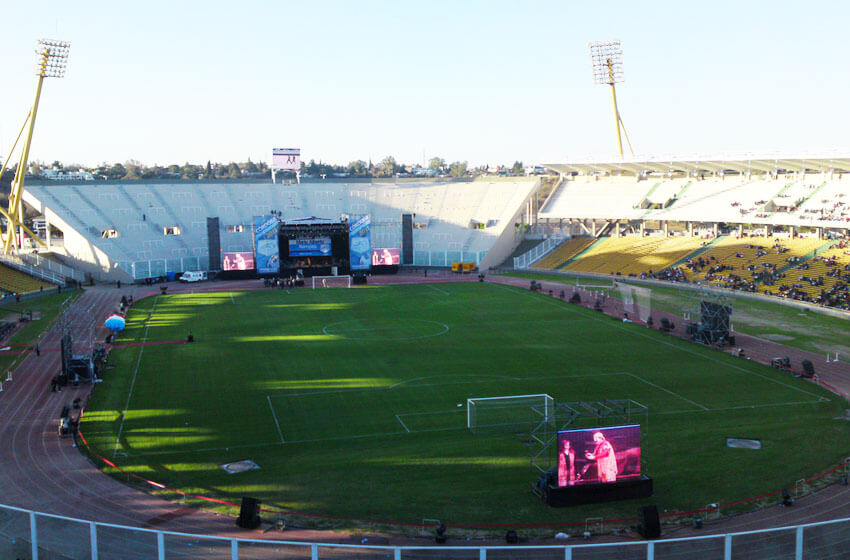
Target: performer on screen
[[606, 460], [566, 464]]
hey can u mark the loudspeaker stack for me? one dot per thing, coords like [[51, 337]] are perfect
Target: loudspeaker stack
[[249, 513], [649, 526]]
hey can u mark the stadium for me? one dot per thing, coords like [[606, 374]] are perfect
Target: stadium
[[336, 368], [632, 358]]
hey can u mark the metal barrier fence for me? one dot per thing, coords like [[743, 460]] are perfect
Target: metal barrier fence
[[527, 259], [140, 270], [27, 534], [153, 268], [446, 258]]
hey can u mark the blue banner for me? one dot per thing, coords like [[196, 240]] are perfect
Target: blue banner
[[360, 242], [266, 244], [310, 247]]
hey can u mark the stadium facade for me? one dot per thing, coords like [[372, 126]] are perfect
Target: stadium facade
[[133, 231]]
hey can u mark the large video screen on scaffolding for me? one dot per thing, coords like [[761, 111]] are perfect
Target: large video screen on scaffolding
[[598, 455]]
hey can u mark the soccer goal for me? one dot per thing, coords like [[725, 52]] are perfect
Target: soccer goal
[[509, 411], [331, 282], [636, 300]]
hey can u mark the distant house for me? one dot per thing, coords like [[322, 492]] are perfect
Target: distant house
[[62, 175]]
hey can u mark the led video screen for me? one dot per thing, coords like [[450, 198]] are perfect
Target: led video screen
[[598, 455], [310, 247], [383, 257], [237, 261]]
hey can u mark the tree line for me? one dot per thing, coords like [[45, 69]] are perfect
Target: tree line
[[133, 170]]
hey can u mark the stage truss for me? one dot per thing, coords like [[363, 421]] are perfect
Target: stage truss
[[583, 415]]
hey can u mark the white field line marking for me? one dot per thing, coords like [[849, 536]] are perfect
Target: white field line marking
[[135, 373], [444, 383], [390, 328], [290, 442], [403, 425], [741, 407], [637, 332], [485, 376], [276, 423], [362, 436], [382, 434], [207, 449], [231, 298], [668, 391], [432, 286]]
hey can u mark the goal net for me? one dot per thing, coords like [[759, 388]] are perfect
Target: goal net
[[637, 301], [331, 282], [509, 412]]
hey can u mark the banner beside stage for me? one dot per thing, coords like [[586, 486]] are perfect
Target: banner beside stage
[[360, 242], [266, 244]]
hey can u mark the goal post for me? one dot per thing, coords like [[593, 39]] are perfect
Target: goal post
[[331, 281], [509, 411]]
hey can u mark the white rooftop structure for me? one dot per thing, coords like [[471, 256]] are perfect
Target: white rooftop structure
[[781, 191]]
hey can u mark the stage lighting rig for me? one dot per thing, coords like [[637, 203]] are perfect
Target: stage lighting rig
[[606, 59]]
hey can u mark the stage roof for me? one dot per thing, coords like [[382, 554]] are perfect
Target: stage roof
[[706, 165]]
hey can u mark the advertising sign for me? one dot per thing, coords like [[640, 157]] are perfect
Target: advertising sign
[[360, 242], [288, 159], [266, 244]]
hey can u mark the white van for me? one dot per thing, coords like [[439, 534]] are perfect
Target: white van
[[193, 276]]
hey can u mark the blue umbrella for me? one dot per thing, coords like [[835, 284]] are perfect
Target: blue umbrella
[[114, 323]]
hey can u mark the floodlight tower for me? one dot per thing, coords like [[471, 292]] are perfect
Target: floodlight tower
[[606, 57], [51, 58]]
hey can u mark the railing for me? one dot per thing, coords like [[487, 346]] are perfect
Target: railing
[[446, 258], [527, 259], [30, 534], [63, 271], [33, 269], [154, 268]]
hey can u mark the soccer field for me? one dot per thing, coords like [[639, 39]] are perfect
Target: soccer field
[[353, 402]]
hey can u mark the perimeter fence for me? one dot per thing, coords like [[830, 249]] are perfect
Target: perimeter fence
[[26, 534]]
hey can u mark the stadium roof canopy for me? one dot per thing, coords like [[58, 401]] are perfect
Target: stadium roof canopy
[[707, 165]]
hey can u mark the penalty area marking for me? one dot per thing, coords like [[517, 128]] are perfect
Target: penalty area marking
[[276, 423], [432, 286], [441, 377], [636, 332], [668, 391]]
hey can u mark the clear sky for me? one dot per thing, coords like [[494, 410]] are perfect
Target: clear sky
[[487, 82]]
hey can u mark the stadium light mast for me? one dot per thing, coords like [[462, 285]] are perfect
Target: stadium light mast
[[51, 58], [606, 58]]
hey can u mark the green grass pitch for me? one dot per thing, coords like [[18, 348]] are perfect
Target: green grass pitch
[[348, 399]]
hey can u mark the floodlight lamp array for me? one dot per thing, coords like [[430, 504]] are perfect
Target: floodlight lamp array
[[606, 57], [52, 56]]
